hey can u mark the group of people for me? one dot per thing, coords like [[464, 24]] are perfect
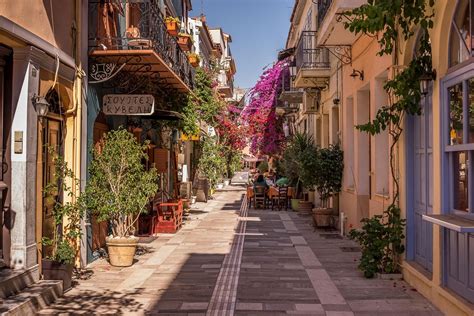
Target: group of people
[[264, 180]]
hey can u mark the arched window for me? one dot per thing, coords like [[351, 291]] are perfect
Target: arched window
[[55, 104], [461, 41]]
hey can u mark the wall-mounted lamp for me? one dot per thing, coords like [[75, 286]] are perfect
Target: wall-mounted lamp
[[426, 79], [357, 73], [41, 105], [292, 71]]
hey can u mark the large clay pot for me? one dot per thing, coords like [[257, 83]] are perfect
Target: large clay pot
[[305, 206], [295, 204], [322, 216], [53, 270], [121, 250]]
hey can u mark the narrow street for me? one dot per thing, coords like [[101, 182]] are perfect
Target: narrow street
[[231, 260]]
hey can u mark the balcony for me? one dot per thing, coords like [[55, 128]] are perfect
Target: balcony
[[132, 38], [331, 28], [289, 94], [312, 63], [225, 86]]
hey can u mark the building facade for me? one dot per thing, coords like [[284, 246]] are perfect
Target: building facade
[[41, 106]]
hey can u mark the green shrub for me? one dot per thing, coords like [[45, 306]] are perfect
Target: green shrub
[[119, 188]]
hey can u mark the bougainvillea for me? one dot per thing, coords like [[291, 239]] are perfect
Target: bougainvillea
[[264, 126]]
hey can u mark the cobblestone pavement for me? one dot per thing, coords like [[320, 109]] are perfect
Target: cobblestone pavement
[[231, 260]]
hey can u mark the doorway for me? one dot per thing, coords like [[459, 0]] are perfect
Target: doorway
[[420, 175]]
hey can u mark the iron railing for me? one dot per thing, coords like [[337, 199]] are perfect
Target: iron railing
[[323, 7], [136, 24], [308, 56]]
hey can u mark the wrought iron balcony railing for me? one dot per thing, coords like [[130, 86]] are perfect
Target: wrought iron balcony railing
[[136, 25], [323, 7], [308, 56]]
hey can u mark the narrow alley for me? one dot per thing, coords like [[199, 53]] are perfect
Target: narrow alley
[[230, 259]]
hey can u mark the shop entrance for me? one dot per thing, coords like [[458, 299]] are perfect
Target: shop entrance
[[49, 145]]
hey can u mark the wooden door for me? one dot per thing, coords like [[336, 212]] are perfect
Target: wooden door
[[423, 184], [51, 141], [99, 229]]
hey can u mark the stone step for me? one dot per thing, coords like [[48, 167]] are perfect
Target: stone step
[[13, 282], [32, 299]]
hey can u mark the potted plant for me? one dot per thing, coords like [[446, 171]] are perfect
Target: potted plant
[[194, 59], [119, 190], [62, 245], [299, 162], [185, 42], [172, 25], [328, 176]]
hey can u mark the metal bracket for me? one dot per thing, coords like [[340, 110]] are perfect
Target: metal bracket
[[317, 83], [341, 52], [101, 72]]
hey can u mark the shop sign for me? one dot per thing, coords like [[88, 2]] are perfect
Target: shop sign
[[128, 104]]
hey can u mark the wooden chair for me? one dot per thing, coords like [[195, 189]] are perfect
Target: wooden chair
[[259, 195], [170, 217], [281, 199]]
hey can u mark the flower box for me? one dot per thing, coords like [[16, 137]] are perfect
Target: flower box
[[184, 41], [172, 26], [194, 60]]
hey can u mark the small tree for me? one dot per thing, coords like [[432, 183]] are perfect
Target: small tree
[[66, 215], [119, 187], [212, 163], [300, 161], [328, 172]]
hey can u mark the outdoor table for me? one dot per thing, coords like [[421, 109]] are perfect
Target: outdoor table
[[273, 191]]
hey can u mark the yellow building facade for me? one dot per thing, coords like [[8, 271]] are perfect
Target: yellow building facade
[[41, 49]]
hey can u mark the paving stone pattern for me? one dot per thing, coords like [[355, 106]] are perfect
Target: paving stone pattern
[[231, 260]]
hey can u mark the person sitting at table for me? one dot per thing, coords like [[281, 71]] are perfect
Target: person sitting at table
[[260, 182]]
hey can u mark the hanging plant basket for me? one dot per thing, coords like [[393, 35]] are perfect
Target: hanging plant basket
[[184, 41], [194, 60], [172, 26]]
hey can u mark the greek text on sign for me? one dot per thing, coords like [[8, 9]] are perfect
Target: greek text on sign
[[128, 104]]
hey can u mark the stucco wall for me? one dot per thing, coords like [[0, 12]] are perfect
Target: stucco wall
[[51, 20]]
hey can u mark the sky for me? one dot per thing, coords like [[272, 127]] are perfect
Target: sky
[[258, 28]]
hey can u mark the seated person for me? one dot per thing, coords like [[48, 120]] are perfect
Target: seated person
[[260, 182]]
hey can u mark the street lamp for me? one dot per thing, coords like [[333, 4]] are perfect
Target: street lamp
[[426, 79], [41, 105], [292, 71]]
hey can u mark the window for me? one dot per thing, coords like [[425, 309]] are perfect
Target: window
[[460, 144], [309, 21], [461, 41]]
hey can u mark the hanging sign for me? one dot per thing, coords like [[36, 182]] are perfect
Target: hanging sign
[[128, 104]]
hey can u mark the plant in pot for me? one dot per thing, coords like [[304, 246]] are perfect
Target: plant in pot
[[298, 163], [185, 41], [194, 59], [172, 25], [61, 247], [119, 190], [328, 175]]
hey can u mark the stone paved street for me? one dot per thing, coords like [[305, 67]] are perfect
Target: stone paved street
[[266, 263]]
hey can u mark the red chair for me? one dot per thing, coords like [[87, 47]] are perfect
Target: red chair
[[170, 217]]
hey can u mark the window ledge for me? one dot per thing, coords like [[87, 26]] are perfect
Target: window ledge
[[452, 222]]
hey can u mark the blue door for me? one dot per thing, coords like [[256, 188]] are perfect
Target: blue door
[[421, 173]]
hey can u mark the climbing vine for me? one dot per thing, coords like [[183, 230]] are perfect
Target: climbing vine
[[391, 21]]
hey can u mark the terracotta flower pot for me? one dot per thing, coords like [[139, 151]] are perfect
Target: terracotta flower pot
[[193, 60], [53, 270], [322, 216], [185, 43], [121, 250], [172, 28]]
